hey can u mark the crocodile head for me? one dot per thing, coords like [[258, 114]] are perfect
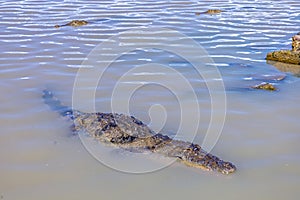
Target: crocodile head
[[76, 23], [226, 167], [220, 166], [206, 161], [213, 163]]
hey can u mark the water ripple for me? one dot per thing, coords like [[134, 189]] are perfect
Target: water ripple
[[242, 34]]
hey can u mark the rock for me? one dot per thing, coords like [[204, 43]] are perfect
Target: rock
[[285, 56], [288, 56], [296, 42], [265, 86]]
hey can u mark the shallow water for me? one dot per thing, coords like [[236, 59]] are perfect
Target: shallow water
[[40, 158]]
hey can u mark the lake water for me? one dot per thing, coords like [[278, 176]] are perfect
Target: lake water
[[41, 159]]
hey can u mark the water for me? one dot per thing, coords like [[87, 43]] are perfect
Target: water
[[40, 158]]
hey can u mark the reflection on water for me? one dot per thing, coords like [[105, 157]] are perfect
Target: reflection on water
[[41, 159], [285, 67]]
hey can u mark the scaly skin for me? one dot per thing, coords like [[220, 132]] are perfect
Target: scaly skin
[[74, 23], [210, 12], [129, 133]]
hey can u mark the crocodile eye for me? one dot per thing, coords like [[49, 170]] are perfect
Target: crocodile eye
[[196, 148]]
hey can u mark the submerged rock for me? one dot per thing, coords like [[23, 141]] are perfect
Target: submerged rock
[[265, 86], [266, 77]]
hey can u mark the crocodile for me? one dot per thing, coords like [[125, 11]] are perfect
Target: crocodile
[[129, 133], [210, 12], [74, 23]]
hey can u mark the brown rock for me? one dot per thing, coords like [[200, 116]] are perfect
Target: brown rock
[[265, 86], [285, 56]]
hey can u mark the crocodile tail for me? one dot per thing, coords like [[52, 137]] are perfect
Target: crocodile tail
[[56, 105]]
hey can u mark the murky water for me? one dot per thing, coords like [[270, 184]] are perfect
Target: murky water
[[40, 158]]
